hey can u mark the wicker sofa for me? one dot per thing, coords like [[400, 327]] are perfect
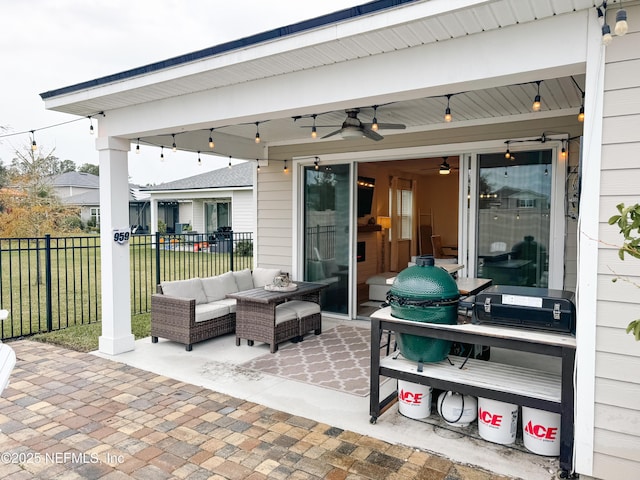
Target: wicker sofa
[[193, 310]]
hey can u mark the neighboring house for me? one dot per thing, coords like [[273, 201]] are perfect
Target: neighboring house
[[82, 190], [220, 198], [407, 63]]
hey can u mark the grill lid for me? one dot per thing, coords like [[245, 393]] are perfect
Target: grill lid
[[424, 285]]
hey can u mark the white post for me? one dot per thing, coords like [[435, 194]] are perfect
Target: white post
[[153, 228], [114, 215]]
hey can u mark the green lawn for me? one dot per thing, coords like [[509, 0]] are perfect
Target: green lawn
[[84, 338]]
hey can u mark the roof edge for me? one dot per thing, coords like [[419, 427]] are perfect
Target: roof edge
[[280, 32]]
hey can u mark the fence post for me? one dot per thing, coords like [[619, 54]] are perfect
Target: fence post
[[157, 262], [47, 272], [231, 242]]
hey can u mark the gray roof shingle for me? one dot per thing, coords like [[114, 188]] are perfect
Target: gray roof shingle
[[239, 175]]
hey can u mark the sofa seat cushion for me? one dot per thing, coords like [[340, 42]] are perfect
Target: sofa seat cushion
[[227, 302], [264, 276], [209, 311], [285, 314], [244, 280], [302, 308], [191, 288]]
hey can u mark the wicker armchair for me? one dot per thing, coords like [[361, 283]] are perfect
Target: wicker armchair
[[174, 318]]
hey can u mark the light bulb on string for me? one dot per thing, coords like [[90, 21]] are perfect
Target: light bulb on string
[[258, 162], [173, 146], [286, 170], [606, 35], [257, 140], [34, 145], [621, 26], [199, 159], [90, 125], [162, 153], [138, 147], [211, 143], [229, 161], [315, 164], [536, 101], [314, 131], [374, 123], [447, 111]]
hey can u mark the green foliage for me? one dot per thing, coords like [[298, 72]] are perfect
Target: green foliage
[[162, 227], [628, 220], [89, 168], [244, 248]]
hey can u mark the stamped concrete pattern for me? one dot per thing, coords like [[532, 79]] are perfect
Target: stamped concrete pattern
[[70, 415]]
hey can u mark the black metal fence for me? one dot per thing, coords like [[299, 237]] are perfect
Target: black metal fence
[[51, 283]]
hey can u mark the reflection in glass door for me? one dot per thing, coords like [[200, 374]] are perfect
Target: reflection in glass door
[[513, 220], [326, 237]]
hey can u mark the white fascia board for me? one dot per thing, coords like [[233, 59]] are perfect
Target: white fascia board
[[328, 33], [490, 59]]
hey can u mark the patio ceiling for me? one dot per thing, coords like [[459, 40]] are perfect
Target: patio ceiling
[[409, 25]]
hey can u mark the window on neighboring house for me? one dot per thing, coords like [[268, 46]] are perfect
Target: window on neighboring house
[[218, 214], [526, 203], [95, 215]]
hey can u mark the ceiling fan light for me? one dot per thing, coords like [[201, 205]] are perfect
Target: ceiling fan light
[[445, 169], [351, 132]]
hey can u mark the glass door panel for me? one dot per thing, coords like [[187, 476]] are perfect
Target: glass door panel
[[513, 219], [326, 238]]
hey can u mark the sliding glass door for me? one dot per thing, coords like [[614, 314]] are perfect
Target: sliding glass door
[[514, 223], [326, 233]]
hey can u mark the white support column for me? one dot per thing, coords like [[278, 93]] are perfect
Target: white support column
[[153, 228], [114, 214]]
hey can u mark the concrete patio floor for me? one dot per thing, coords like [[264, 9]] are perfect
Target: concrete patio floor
[[161, 412]]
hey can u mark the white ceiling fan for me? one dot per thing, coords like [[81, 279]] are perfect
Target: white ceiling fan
[[352, 127]]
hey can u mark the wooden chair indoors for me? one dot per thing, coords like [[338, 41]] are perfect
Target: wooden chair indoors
[[438, 249]]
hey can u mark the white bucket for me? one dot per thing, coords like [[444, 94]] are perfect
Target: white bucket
[[457, 410], [497, 421], [541, 431], [414, 399]]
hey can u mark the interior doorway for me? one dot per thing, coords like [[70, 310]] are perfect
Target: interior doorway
[[400, 205]]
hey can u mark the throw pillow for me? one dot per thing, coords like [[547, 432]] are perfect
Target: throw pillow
[[244, 280], [264, 276], [213, 288], [191, 288], [228, 282]]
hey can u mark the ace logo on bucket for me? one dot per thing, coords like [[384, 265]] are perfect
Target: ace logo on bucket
[[540, 431], [489, 419], [413, 398]]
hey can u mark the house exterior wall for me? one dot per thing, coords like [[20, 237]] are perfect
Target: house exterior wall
[[242, 213], [617, 384]]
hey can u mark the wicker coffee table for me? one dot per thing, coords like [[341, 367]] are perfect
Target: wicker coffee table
[[256, 313]]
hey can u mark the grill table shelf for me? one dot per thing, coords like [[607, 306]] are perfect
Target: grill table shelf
[[497, 381]]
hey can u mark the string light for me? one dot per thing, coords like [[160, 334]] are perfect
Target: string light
[[447, 111], [621, 22], [258, 162], [211, 143], [286, 170], [90, 125], [199, 159], [173, 146], [229, 161], [138, 147], [257, 132], [314, 131], [536, 101], [162, 153], [374, 124], [315, 164], [34, 145]]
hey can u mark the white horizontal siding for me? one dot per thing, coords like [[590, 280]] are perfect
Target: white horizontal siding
[[274, 217], [617, 383], [242, 211]]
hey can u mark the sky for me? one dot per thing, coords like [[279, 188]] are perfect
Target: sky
[[49, 44]]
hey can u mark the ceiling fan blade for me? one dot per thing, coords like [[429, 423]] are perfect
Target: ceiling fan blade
[[335, 132], [371, 134]]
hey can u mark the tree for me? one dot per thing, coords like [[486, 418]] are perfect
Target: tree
[[89, 168], [29, 206]]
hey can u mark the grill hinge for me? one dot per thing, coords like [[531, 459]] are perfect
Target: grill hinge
[[556, 311], [487, 305]]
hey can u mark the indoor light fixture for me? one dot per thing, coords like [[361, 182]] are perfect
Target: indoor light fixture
[[34, 145], [445, 169], [138, 147], [621, 22], [211, 143], [257, 132], [536, 101], [374, 123], [314, 131], [447, 111]]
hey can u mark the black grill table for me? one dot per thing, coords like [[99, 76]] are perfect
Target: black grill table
[[507, 383]]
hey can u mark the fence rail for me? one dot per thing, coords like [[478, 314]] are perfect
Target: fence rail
[[49, 283]]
